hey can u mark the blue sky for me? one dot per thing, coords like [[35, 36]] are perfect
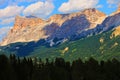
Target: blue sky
[[45, 8]]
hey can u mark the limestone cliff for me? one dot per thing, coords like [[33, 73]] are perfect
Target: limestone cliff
[[27, 29], [116, 32]]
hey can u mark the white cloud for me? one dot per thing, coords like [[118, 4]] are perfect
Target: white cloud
[[99, 6], [76, 5], [39, 9], [8, 14], [113, 3], [3, 32], [4, 29], [10, 11], [7, 21]]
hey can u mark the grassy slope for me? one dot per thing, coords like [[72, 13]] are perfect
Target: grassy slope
[[84, 48]]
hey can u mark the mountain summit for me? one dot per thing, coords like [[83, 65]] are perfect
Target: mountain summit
[[61, 26], [89, 33]]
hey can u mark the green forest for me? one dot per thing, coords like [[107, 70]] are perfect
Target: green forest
[[100, 47], [15, 68]]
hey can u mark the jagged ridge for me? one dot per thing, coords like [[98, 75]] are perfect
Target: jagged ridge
[[61, 26]]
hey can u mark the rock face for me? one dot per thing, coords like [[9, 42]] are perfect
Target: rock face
[[59, 26], [25, 30], [21, 22], [116, 32], [62, 26], [111, 21]]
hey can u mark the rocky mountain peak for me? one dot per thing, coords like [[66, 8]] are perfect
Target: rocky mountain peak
[[118, 8], [90, 11], [116, 32], [60, 26], [94, 16], [91, 14], [21, 22], [57, 18]]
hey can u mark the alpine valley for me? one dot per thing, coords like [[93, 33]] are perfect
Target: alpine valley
[[84, 34]]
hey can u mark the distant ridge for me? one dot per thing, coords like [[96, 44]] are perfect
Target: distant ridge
[[31, 16], [85, 34], [61, 26]]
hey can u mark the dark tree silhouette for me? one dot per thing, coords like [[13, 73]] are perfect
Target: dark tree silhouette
[[13, 68]]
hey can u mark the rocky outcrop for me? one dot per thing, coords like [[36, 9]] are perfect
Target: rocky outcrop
[[111, 21], [25, 30], [116, 32], [64, 26], [22, 22]]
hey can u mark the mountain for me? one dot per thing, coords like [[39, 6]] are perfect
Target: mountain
[[60, 26], [111, 21], [103, 46], [85, 34]]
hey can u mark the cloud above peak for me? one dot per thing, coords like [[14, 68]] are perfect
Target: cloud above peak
[[76, 5], [39, 9], [10, 11], [4, 31], [8, 14], [7, 21], [113, 2]]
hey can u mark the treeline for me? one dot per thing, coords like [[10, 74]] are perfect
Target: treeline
[[14, 68]]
